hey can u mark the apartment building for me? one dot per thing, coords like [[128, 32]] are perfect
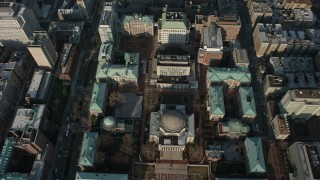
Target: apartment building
[[301, 104], [298, 18], [68, 61], [290, 73], [296, 4], [17, 23], [259, 12], [304, 156], [173, 72], [269, 39], [39, 87], [280, 127], [211, 48], [14, 68], [70, 32], [173, 28], [28, 128], [42, 50], [274, 85], [137, 25], [108, 24]]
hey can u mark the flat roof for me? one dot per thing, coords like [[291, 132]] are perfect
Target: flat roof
[[28, 116], [39, 84], [102, 176]]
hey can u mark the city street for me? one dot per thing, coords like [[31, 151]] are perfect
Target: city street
[[66, 151], [246, 39]]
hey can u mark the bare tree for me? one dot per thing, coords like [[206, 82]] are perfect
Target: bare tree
[[149, 151], [128, 145], [195, 152], [152, 100], [196, 104], [100, 157], [116, 98], [105, 141]]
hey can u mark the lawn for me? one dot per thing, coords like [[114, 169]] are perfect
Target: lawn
[[139, 171], [198, 172], [171, 99]]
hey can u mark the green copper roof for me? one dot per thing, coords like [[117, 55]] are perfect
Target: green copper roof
[[102, 176], [14, 176], [128, 70], [216, 100], [255, 155], [247, 101], [241, 74], [98, 97], [88, 149], [6, 154], [174, 24], [145, 19], [235, 128]]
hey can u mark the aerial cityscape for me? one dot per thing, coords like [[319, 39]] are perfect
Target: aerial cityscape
[[160, 89]]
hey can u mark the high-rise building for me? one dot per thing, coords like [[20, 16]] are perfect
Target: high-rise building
[[173, 28], [269, 39], [17, 24], [137, 25], [28, 127], [260, 11], [42, 50], [304, 156], [108, 24], [301, 104]]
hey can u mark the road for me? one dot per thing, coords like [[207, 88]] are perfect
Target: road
[[66, 151], [246, 39]]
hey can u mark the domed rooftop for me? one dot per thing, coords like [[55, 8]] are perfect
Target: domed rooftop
[[172, 121], [108, 122]]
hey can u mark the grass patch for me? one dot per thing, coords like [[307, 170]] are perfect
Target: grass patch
[[198, 172], [140, 171], [171, 99]]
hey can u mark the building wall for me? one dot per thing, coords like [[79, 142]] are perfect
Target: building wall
[[16, 32], [173, 36]]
